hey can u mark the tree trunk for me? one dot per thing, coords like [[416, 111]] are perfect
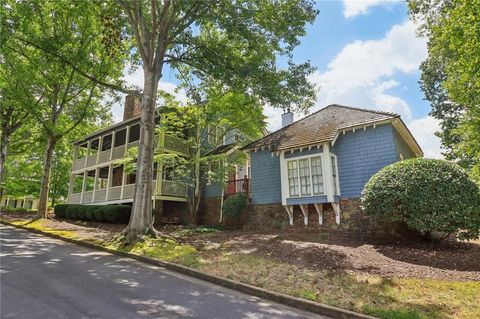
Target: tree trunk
[[44, 188], [3, 158], [141, 218]]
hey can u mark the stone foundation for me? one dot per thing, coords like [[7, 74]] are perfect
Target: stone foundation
[[209, 211], [351, 217]]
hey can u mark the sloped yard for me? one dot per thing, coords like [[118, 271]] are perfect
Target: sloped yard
[[383, 276]]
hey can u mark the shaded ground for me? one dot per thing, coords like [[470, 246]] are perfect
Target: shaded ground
[[388, 277], [48, 278]]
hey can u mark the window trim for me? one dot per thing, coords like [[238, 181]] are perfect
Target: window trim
[[309, 157], [336, 191]]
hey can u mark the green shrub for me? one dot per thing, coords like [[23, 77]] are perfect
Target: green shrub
[[15, 210], [60, 210], [117, 213], [235, 205], [427, 195], [90, 212], [99, 213], [71, 212]]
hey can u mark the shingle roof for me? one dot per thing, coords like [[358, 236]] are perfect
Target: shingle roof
[[320, 127]]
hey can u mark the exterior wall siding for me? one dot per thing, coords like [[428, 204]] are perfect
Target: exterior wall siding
[[212, 190], [265, 182], [362, 154], [402, 147]]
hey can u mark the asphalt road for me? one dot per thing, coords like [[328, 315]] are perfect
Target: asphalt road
[[41, 277]]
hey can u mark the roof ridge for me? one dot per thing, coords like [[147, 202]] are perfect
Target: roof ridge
[[365, 109]]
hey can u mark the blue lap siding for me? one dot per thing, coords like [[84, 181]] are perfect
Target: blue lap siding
[[265, 182]]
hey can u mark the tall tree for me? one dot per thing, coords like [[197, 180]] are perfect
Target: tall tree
[[74, 31], [212, 115], [451, 74], [234, 42], [12, 117]]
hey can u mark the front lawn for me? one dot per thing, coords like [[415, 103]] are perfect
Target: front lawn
[[384, 277]]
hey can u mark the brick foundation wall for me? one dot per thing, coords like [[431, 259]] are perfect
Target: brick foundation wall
[[351, 217], [209, 211]]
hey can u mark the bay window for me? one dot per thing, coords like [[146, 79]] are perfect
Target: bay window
[[305, 177]]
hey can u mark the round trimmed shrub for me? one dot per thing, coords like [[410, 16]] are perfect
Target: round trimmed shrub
[[427, 195], [60, 210], [235, 205]]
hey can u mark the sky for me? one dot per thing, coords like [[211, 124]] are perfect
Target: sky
[[367, 55]]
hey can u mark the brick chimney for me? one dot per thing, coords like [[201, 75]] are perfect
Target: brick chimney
[[133, 107]]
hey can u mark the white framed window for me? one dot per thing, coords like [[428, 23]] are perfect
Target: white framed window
[[317, 175], [335, 175], [293, 178], [305, 176]]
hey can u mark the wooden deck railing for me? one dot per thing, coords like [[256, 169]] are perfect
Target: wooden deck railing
[[236, 186]]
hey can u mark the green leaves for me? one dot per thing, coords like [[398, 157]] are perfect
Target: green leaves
[[428, 195], [451, 74]]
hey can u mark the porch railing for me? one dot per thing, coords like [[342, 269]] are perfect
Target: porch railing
[[236, 186]]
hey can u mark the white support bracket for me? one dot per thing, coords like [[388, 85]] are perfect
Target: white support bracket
[[336, 209], [289, 209], [319, 209], [304, 209]]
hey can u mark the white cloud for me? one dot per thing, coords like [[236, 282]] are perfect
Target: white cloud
[[352, 8], [136, 79], [363, 75], [423, 129]]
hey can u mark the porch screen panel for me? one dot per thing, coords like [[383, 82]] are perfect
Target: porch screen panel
[[317, 175], [304, 173], [293, 178]]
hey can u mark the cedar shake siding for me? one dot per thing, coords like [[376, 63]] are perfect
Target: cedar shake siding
[[362, 154]]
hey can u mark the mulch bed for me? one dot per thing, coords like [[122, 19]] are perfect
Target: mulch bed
[[338, 251]]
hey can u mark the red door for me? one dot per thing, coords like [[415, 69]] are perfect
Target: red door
[[231, 189]]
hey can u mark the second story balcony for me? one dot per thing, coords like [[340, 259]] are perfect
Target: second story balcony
[[112, 143]]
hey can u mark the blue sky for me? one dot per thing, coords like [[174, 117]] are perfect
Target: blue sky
[[367, 55]]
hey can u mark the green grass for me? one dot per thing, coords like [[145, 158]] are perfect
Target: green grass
[[161, 248], [397, 298]]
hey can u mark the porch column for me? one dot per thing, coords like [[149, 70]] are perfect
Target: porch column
[[113, 145], [95, 183], [100, 142], [127, 137], [109, 179], [124, 179], [84, 185], [88, 153]]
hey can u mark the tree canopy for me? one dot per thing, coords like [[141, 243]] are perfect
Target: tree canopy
[[451, 74]]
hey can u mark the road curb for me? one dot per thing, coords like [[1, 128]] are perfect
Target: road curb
[[298, 303]]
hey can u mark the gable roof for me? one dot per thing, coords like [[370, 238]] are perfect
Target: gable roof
[[321, 126]]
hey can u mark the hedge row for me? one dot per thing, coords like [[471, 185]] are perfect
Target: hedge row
[[17, 210], [98, 213]]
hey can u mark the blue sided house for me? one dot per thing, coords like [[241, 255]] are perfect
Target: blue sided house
[[321, 163]]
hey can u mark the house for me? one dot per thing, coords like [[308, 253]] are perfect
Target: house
[[311, 171], [318, 166], [27, 202]]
